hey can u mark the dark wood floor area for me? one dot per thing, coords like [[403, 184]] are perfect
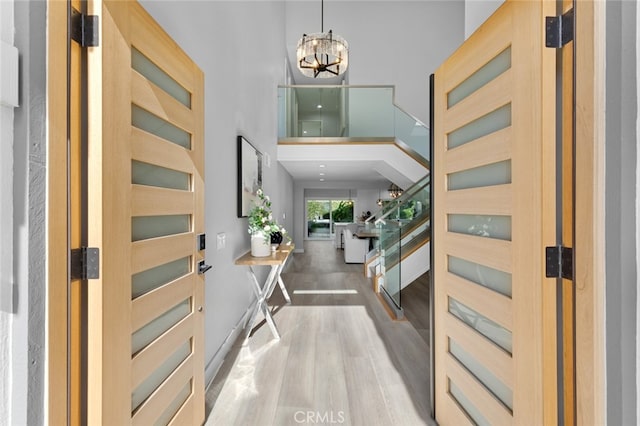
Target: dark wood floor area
[[415, 303], [341, 358]]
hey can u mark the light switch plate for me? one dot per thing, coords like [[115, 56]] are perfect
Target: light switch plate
[[221, 240], [9, 72]]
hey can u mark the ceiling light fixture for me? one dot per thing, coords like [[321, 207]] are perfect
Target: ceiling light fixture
[[322, 54], [395, 191], [379, 202]]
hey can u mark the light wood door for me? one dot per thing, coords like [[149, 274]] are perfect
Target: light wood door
[[494, 200], [145, 210]]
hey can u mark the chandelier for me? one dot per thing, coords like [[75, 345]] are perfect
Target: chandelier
[[395, 191], [322, 54]]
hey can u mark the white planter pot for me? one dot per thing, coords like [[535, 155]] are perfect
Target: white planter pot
[[260, 247]]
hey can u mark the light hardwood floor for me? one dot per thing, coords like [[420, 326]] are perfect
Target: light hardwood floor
[[340, 359]]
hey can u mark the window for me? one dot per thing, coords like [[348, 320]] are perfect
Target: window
[[323, 214]]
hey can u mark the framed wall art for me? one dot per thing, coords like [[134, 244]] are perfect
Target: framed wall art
[[249, 175]]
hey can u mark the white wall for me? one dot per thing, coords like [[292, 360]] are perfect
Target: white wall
[[240, 47], [390, 42], [283, 210], [6, 228], [637, 42], [367, 200], [620, 216], [26, 307], [476, 12]]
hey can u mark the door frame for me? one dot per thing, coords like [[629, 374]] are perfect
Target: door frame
[[57, 193], [59, 404], [589, 261], [589, 267]]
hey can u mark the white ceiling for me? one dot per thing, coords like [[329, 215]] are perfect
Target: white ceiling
[[368, 164], [335, 171]]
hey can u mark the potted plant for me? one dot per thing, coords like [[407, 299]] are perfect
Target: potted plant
[[263, 227]]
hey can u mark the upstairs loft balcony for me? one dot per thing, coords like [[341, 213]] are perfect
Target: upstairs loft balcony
[[349, 114]]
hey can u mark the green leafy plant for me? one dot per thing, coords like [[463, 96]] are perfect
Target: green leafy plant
[[342, 211], [261, 218]]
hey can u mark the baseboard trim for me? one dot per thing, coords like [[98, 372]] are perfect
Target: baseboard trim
[[213, 366]]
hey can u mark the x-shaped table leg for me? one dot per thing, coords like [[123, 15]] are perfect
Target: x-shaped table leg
[[262, 296], [281, 284]]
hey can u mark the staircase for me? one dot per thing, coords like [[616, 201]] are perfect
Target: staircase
[[403, 253]]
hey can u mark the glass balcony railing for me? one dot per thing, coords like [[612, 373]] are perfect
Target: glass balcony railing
[[404, 225], [354, 113], [346, 114], [390, 250]]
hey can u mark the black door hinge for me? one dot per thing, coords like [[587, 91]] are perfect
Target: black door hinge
[[559, 29], [84, 28], [85, 263], [559, 262]]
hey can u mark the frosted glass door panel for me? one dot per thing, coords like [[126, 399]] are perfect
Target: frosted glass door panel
[[489, 175], [467, 405], [152, 175], [159, 375], [145, 227], [158, 326], [480, 274], [486, 377], [482, 76], [144, 282], [153, 124], [153, 73], [175, 405], [489, 329], [498, 227], [485, 125]]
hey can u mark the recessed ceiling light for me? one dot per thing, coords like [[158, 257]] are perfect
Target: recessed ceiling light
[[304, 131], [319, 106], [322, 166], [321, 180], [321, 174]]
